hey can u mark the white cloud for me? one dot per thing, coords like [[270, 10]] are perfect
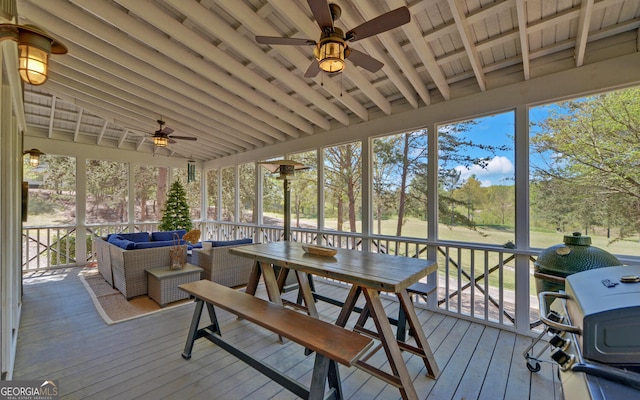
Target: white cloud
[[495, 173]]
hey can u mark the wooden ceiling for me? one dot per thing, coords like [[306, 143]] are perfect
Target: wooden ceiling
[[197, 66]]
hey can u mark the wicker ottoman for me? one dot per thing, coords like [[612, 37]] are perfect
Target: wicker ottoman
[[162, 283]]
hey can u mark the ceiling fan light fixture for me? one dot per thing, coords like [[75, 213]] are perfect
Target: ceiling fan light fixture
[[160, 141], [331, 52]]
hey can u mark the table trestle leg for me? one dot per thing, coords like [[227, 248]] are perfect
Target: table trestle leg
[[418, 334]]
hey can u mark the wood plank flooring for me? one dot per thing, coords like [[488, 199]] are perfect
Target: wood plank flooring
[[63, 338]]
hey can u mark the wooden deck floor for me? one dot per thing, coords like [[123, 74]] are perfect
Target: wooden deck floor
[[63, 338]]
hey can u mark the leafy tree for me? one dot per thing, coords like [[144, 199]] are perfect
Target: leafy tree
[[456, 149], [343, 178], [107, 191], [304, 187], [212, 193], [592, 151], [228, 194], [146, 184], [176, 213], [248, 204], [192, 190]]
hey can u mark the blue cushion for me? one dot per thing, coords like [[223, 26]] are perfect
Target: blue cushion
[[223, 243], [162, 243], [117, 240], [137, 237], [166, 235]]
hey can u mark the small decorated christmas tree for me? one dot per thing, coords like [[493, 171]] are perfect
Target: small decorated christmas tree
[[176, 210]]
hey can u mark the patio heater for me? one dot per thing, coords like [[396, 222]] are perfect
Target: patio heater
[[285, 170]]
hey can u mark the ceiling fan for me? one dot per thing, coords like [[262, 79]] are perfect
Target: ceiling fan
[[161, 137], [332, 48]]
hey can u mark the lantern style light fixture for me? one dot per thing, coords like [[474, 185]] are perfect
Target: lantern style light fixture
[[160, 141], [34, 48], [331, 51], [34, 157]]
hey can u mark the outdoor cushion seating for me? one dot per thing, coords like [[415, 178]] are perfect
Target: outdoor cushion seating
[[124, 257], [220, 266]]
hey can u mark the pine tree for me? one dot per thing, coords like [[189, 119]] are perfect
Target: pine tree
[[176, 211]]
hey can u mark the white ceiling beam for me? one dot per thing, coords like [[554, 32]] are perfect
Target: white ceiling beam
[[254, 24], [457, 10], [156, 17], [424, 51], [140, 143], [83, 60], [102, 93], [521, 12], [394, 49], [257, 24], [390, 68], [586, 10], [52, 116], [102, 131], [215, 25], [76, 133], [137, 57], [122, 138], [161, 105]]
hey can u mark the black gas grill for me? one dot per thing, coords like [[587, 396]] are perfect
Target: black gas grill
[[596, 327]]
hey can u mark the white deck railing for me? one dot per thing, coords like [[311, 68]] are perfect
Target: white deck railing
[[482, 283]]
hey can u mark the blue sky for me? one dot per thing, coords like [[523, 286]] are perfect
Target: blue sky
[[496, 130], [499, 130]]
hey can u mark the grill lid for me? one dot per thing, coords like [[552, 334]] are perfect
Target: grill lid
[[607, 311], [575, 254]]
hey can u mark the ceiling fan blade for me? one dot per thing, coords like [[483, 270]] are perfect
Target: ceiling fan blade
[[171, 141], [313, 69], [383, 23], [166, 131], [321, 12], [285, 41], [183, 137], [365, 61]]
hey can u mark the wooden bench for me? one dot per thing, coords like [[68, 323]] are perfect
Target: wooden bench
[[331, 343]]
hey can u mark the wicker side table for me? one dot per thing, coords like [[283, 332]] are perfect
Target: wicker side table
[[162, 283]]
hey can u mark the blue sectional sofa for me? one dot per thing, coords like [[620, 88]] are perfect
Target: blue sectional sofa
[[124, 257]]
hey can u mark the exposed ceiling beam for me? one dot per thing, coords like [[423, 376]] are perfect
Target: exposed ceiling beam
[[249, 48], [586, 10], [521, 13], [425, 53], [390, 68], [400, 57], [154, 16], [78, 124], [52, 116], [457, 10], [214, 25], [137, 57], [298, 20]]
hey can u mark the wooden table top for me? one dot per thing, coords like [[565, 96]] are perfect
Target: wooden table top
[[373, 270]]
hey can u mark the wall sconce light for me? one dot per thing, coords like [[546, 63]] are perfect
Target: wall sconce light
[[191, 171], [331, 52], [160, 141], [34, 157], [34, 47]]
